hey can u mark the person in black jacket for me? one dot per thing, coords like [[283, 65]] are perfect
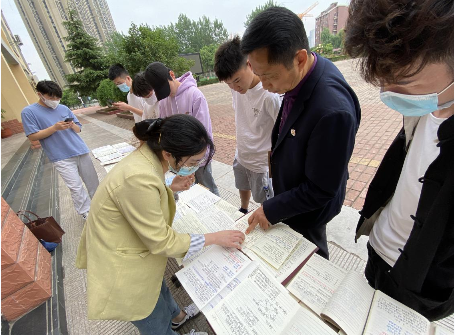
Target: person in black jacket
[[313, 137], [407, 50]]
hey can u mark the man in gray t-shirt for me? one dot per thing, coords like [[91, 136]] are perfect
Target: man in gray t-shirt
[[57, 128]]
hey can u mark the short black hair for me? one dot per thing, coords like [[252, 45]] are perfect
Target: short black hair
[[229, 59], [397, 39], [117, 70], [50, 88], [141, 87], [181, 135], [278, 30]]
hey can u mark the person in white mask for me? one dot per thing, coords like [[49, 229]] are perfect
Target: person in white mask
[[57, 128], [136, 105], [406, 48]]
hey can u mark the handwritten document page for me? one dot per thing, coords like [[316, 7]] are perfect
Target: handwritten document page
[[292, 264], [252, 237], [211, 272], [215, 220], [203, 201], [307, 323], [316, 282], [259, 305], [350, 304], [277, 244], [102, 151], [243, 275], [181, 210], [388, 316], [193, 192], [189, 224], [109, 157], [229, 209]]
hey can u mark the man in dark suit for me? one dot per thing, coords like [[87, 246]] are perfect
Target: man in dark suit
[[314, 134]]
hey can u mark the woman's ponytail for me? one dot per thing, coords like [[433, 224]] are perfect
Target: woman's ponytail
[[149, 131]]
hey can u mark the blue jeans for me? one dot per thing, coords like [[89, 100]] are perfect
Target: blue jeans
[[159, 321]]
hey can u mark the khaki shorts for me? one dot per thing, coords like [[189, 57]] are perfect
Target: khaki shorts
[[259, 184]]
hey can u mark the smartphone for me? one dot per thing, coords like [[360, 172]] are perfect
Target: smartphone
[[109, 102], [69, 119]]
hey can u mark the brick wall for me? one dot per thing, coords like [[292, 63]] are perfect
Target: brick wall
[[26, 267], [14, 125]]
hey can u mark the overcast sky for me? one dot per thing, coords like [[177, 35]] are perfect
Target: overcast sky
[[156, 13]]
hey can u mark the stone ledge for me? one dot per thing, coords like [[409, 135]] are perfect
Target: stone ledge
[[126, 115], [26, 268]]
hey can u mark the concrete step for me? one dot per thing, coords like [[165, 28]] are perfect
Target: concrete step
[[29, 182]]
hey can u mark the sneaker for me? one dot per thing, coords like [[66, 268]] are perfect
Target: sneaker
[[243, 210], [84, 216], [191, 311], [193, 332]]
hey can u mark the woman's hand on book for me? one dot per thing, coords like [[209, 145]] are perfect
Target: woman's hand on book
[[180, 183], [225, 238]]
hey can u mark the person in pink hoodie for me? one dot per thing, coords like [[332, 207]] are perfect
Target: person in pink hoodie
[[180, 96]]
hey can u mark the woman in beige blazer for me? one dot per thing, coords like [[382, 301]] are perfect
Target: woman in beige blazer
[[128, 237]]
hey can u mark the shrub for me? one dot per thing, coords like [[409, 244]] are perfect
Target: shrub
[[108, 91]]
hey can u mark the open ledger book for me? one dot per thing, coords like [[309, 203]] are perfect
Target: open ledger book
[[239, 297], [347, 301], [280, 249]]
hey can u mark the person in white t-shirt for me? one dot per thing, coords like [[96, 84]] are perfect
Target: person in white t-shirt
[[136, 105], [144, 90], [256, 111]]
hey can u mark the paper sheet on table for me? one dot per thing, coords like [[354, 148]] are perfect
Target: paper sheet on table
[[193, 192], [316, 282], [215, 220], [301, 252], [258, 305], [211, 272], [229, 209], [202, 201]]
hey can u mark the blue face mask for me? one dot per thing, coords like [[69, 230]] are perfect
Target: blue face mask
[[414, 105], [123, 87], [184, 170]]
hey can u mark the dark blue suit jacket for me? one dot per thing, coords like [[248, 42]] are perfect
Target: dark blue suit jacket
[[309, 163]]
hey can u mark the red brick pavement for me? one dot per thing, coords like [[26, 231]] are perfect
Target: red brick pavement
[[378, 128]]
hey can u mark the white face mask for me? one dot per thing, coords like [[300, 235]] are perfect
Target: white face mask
[[414, 105], [50, 103], [151, 100]]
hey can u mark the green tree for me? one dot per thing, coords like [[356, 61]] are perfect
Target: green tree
[[327, 48], [326, 36], [108, 91], [208, 57], [144, 45], [257, 10], [85, 56], [70, 98], [192, 36]]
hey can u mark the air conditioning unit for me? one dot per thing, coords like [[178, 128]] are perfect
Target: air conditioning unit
[[18, 40]]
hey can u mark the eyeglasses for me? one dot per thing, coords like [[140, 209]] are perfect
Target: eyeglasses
[[199, 163]]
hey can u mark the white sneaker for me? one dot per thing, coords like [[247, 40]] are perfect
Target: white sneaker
[[84, 216], [193, 332], [191, 311]]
